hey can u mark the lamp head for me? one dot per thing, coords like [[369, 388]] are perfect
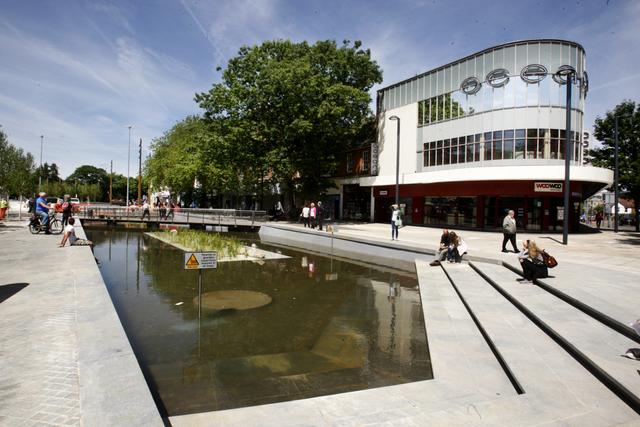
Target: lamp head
[[394, 118]]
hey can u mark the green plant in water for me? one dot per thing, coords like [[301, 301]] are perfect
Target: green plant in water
[[197, 241]]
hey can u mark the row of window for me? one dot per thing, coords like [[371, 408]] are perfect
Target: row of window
[[500, 145], [516, 93], [363, 165]]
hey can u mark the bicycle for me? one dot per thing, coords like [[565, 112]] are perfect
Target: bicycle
[[55, 225]]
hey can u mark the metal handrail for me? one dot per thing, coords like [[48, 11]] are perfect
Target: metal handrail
[[188, 215]]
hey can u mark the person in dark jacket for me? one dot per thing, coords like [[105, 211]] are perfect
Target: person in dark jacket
[[67, 209], [320, 215], [441, 255]]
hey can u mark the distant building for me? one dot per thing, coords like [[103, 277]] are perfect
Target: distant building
[[478, 136]]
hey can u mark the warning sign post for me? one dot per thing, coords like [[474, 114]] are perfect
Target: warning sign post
[[200, 260]]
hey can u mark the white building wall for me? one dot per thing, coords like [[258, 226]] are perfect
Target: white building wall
[[387, 141]]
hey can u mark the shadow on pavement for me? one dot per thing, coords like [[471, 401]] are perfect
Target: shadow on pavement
[[7, 291]]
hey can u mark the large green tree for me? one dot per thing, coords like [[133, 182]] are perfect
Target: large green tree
[[288, 110], [88, 174], [16, 169], [628, 117], [193, 151]]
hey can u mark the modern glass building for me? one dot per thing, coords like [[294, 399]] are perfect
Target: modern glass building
[[479, 136]]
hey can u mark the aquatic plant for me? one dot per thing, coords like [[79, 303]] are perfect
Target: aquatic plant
[[202, 241]]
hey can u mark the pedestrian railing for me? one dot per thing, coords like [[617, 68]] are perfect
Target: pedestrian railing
[[232, 217]]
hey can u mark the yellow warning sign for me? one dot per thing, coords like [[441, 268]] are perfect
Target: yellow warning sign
[[200, 260], [192, 262]]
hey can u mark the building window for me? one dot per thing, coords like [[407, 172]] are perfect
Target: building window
[[366, 158], [507, 144], [349, 162]]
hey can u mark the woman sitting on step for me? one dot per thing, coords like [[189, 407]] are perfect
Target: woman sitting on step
[[533, 266], [457, 248]]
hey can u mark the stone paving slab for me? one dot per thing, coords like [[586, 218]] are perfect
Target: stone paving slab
[[545, 371], [64, 357], [600, 343]]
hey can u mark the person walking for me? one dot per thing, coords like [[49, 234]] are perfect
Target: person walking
[[305, 215], [320, 216], [599, 218], [312, 215], [509, 231], [67, 209], [3, 207], [145, 210], [396, 221]]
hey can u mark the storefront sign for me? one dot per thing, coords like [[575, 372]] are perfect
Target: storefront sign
[[374, 159], [547, 187], [383, 192]]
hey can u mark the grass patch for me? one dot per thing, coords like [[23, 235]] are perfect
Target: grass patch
[[201, 241]]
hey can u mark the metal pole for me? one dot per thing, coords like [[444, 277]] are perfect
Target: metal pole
[[140, 173], [398, 165], [199, 308], [567, 164], [111, 183], [128, 162], [615, 178], [40, 177]]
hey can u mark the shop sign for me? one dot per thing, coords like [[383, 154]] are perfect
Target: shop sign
[[383, 192], [374, 159], [547, 187]]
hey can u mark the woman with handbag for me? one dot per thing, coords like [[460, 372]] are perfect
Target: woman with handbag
[[532, 261], [396, 221]]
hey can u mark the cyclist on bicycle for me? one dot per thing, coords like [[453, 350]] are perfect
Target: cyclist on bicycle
[[42, 210]]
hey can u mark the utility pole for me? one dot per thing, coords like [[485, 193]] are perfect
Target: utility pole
[[111, 183], [128, 161], [615, 179], [140, 173], [40, 177]]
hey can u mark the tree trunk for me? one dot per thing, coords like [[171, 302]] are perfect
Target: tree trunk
[[636, 203]]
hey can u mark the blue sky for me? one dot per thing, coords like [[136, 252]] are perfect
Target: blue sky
[[79, 72]]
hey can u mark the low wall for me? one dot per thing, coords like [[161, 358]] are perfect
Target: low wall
[[394, 255]]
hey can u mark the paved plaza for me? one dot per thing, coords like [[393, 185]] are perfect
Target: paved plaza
[[65, 359]]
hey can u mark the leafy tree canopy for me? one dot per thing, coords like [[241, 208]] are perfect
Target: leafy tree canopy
[[191, 151], [628, 117], [16, 168], [88, 174], [291, 108]]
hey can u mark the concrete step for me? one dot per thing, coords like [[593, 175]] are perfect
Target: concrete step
[[541, 366], [597, 341]]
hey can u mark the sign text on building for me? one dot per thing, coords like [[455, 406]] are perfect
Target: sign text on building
[[547, 187]]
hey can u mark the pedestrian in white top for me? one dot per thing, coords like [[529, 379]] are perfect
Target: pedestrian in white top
[[305, 215], [70, 236], [396, 221]]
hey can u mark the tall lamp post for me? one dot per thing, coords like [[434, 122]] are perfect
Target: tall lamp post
[[128, 162], [615, 178], [397, 119], [568, 72], [40, 177]]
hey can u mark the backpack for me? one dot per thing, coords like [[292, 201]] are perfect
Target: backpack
[[549, 260]]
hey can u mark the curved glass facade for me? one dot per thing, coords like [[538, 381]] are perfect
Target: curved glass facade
[[514, 94], [499, 145]]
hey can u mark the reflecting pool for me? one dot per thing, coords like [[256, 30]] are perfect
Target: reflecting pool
[[331, 326]]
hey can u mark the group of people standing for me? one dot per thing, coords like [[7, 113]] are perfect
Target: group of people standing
[[312, 216]]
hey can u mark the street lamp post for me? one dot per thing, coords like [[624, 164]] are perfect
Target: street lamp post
[[615, 178], [568, 149], [397, 119], [40, 177], [128, 162]]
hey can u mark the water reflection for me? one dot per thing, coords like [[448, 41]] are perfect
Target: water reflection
[[332, 326]]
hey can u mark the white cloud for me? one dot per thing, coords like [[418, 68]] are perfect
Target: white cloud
[[85, 98]]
